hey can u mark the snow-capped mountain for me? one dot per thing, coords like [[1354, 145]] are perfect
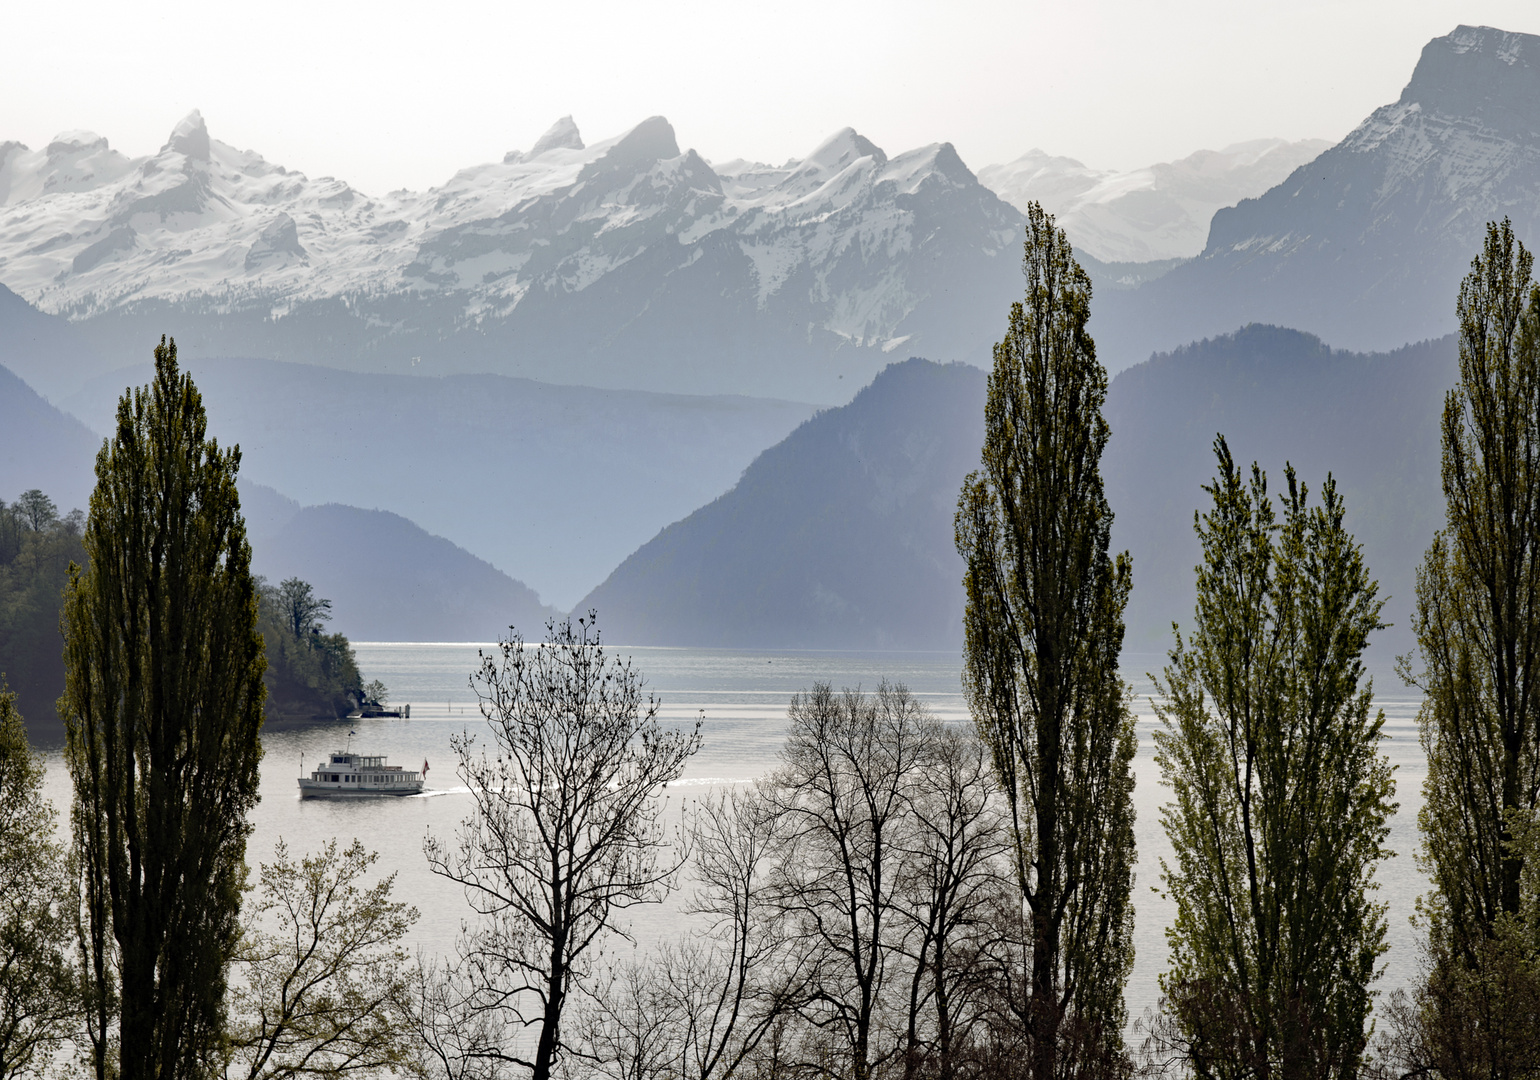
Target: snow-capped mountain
[[629, 263], [1367, 244], [1158, 212]]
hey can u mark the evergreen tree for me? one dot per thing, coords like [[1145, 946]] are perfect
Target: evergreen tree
[[1477, 622], [34, 567], [163, 704], [310, 674], [1281, 794], [1044, 627]]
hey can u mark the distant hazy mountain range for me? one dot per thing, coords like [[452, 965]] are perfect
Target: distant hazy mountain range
[[633, 263], [841, 536], [1155, 213], [387, 579], [636, 267], [1367, 244], [625, 264], [838, 537], [41, 447], [1278, 396], [553, 484]]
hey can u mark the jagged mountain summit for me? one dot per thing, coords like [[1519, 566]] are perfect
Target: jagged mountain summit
[[628, 263], [1366, 245], [631, 263], [1158, 212]]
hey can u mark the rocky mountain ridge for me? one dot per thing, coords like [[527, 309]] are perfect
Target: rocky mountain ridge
[[1366, 245], [1158, 212], [635, 264], [582, 264]]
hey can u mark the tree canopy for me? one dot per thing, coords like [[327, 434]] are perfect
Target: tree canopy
[[163, 704], [1044, 629], [1270, 744]]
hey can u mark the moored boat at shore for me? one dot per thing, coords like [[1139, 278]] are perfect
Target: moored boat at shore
[[347, 775]]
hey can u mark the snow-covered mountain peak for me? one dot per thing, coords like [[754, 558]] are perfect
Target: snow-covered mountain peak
[[562, 135], [1505, 45], [190, 137], [1480, 74], [650, 141], [74, 142], [1366, 247], [72, 161], [841, 149], [1161, 211], [630, 238]]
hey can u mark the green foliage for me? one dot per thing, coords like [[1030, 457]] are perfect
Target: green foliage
[[163, 705], [1044, 627], [34, 566], [301, 609], [39, 997], [1478, 633], [310, 675], [322, 982], [1282, 797], [1478, 597], [37, 511], [1478, 1017]]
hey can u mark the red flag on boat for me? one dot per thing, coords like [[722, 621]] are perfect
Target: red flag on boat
[[425, 766]]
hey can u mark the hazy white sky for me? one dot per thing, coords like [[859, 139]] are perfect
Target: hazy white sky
[[394, 94]]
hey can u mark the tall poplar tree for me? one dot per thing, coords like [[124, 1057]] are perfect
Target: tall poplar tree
[[1477, 622], [1282, 797], [163, 704], [1043, 629]]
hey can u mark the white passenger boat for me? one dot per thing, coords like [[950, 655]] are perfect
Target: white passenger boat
[[345, 775]]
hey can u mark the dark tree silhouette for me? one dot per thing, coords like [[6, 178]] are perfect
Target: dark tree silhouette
[[163, 704]]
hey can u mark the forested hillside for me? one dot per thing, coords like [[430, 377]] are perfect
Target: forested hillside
[[838, 537], [841, 536], [37, 546], [1278, 396]]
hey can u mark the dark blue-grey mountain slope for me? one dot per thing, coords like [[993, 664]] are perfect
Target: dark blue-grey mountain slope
[[841, 536], [554, 484], [41, 447], [1366, 245], [838, 537], [388, 579], [39, 347], [1278, 396]]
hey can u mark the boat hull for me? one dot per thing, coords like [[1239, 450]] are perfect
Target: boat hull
[[326, 789]]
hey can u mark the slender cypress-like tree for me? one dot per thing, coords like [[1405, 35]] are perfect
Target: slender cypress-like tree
[[1477, 622], [163, 705], [1282, 798], [1043, 629]]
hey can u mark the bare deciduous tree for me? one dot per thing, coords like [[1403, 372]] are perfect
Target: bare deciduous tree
[[563, 836], [701, 1008], [855, 914], [842, 789], [953, 879]]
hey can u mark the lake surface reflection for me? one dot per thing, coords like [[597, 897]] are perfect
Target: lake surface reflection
[[742, 696]]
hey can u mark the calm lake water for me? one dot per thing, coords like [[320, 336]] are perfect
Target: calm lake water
[[743, 697]]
